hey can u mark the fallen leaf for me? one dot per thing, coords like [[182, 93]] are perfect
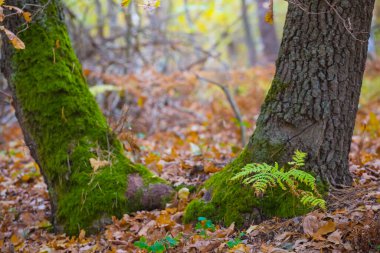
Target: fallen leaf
[[335, 237], [310, 224], [240, 248], [329, 227], [27, 16], [16, 42], [97, 164]]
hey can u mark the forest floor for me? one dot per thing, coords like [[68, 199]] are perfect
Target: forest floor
[[184, 130]]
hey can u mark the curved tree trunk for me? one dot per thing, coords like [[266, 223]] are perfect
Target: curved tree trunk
[[268, 33], [64, 128], [311, 106]]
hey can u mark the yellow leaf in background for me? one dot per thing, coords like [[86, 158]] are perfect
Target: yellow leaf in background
[[269, 17], [16, 42], [125, 2], [157, 4], [15, 240], [269, 14], [27, 16], [2, 2], [141, 101]]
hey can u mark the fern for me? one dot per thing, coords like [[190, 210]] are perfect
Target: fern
[[262, 176]]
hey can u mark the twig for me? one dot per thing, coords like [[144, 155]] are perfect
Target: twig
[[233, 104]]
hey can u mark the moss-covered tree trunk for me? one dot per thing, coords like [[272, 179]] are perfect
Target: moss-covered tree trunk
[[311, 106], [64, 128]]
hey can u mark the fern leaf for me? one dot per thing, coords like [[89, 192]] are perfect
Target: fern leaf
[[298, 159]]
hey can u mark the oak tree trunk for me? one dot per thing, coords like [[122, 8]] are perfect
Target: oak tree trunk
[[311, 106], [64, 128]]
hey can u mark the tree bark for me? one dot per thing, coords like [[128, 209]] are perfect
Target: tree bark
[[268, 33], [311, 106], [252, 54], [64, 128]]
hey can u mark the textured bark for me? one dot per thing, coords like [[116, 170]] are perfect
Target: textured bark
[[64, 128], [311, 106], [252, 54], [268, 33], [314, 97]]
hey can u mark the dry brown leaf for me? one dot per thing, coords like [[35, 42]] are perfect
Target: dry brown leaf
[[335, 237], [310, 224], [144, 230], [164, 220], [97, 164], [284, 236], [278, 250], [329, 227], [240, 248], [16, 42]]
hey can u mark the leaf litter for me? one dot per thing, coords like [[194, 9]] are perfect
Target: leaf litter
[[184, 132]]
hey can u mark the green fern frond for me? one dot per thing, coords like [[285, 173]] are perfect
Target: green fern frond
[[298, 159], [251, 169], [302, 177], [261, 176], [308, 199]]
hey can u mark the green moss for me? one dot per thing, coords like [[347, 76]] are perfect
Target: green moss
[[68, 128], [276, 88], [233, 202]]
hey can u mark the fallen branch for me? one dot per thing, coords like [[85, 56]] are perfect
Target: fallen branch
[[233, 104]]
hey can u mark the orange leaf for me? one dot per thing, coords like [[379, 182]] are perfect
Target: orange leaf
[[269, 14], [27, 16], [16, 42], [329, 227], [15, 240]]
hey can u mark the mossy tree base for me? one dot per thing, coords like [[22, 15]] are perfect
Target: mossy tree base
[[64, 128], [227, 201]]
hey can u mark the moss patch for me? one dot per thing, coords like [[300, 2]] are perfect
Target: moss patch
[[276, 88]]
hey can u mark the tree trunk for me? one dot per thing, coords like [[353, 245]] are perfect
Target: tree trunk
[[311, 106], [64, 128], [268, 33], [252, 55]]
